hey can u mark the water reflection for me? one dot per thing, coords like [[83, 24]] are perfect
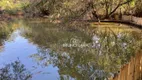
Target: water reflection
[[107, 52], [5, 32], [14, 71], [75, 51]]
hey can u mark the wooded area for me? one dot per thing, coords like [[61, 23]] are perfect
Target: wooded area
[[74, 9], [56, 31]]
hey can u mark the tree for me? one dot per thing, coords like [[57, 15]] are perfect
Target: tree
[[77, 8], [111, 6], [138, 9]]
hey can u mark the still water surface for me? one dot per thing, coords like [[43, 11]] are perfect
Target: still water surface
[[48, 51]]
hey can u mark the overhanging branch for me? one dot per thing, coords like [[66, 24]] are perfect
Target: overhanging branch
[[118, 7]]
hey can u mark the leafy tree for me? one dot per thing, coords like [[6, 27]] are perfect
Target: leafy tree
[[12, 6], [77, 8]]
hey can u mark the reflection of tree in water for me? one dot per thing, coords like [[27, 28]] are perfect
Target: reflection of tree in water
[[14, 71], [5, 32], [47, 33], [109, 51], [6, 29]]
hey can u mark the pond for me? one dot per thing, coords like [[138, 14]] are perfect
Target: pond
[[39, 50]]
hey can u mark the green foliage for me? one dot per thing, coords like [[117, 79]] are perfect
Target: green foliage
[[70, 8], [12, 6], [77, 8], [67, 8]]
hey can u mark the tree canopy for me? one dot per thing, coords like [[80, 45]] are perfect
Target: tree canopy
[[74, 8]]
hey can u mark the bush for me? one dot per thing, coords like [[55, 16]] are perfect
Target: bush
[[12, 7]]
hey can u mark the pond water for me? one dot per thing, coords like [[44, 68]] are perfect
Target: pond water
[[39, 50]]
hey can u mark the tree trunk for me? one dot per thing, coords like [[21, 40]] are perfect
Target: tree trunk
[[119, 5], [107, 9], [95, 15]]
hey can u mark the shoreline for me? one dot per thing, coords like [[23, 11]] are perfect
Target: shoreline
[[127, 22]]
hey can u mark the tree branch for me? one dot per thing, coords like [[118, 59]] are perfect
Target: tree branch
[[119, 6]]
